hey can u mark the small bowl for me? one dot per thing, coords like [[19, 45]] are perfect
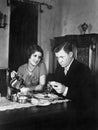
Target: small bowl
[[22, 99]]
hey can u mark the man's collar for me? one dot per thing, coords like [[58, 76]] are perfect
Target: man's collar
[[67, 68]]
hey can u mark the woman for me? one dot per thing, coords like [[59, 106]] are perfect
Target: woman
[[33, 73]]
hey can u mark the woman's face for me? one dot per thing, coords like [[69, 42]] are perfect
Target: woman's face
[[35, 58]]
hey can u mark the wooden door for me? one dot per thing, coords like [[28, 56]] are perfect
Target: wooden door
[[23, 32]]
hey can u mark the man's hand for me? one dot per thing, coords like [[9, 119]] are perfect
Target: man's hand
[[60, 88]]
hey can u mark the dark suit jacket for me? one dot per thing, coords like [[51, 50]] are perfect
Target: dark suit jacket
[[80, 82]]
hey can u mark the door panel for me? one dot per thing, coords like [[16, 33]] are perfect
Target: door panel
[[23, 32]]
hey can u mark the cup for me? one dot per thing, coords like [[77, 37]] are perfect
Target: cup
[[14, 97]]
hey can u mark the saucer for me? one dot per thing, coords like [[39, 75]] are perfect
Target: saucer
[[44, 96]]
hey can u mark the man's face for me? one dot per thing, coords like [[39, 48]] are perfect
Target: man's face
[[64, 58]]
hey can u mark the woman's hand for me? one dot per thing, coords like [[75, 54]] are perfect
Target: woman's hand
[[38, 88], [13, 73], [24, 90]]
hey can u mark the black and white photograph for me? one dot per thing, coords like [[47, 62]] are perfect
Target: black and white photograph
[[48, 65]]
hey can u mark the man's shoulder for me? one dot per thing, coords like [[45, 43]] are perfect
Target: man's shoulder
[[80, 64], [81, 67]]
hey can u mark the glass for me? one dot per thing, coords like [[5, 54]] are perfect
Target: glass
[[48, 89]]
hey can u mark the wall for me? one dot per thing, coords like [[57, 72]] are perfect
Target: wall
[[77, 12], [64, 18], [49, 26], [4, 36]]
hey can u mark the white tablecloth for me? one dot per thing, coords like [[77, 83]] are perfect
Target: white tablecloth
[[6, 104]]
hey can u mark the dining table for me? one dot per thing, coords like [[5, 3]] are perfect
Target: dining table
[[56, 115]]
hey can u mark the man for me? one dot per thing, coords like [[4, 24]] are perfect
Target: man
[[73, 79]]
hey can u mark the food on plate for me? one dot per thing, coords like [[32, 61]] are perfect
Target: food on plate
[[46, 96], [34, 101]]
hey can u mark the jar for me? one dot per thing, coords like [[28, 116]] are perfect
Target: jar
[[22, 99]]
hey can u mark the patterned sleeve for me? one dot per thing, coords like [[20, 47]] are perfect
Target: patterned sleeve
[[43, 70]]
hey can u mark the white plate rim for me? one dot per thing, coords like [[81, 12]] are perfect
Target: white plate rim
[[43, 104]]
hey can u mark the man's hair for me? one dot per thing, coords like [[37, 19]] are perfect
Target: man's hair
[[66, 46], [32, 49]]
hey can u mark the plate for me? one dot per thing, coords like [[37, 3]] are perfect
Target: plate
[[43, 102], [45, 96]]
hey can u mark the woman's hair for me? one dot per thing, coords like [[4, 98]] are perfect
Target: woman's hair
[[32, 49], [66, 46]]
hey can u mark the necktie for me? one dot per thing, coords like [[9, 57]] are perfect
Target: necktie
[[65, 71]]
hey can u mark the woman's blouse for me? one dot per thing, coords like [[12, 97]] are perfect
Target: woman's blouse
[[32, 79]]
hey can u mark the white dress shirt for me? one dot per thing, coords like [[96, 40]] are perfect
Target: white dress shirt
[[67, 67]]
